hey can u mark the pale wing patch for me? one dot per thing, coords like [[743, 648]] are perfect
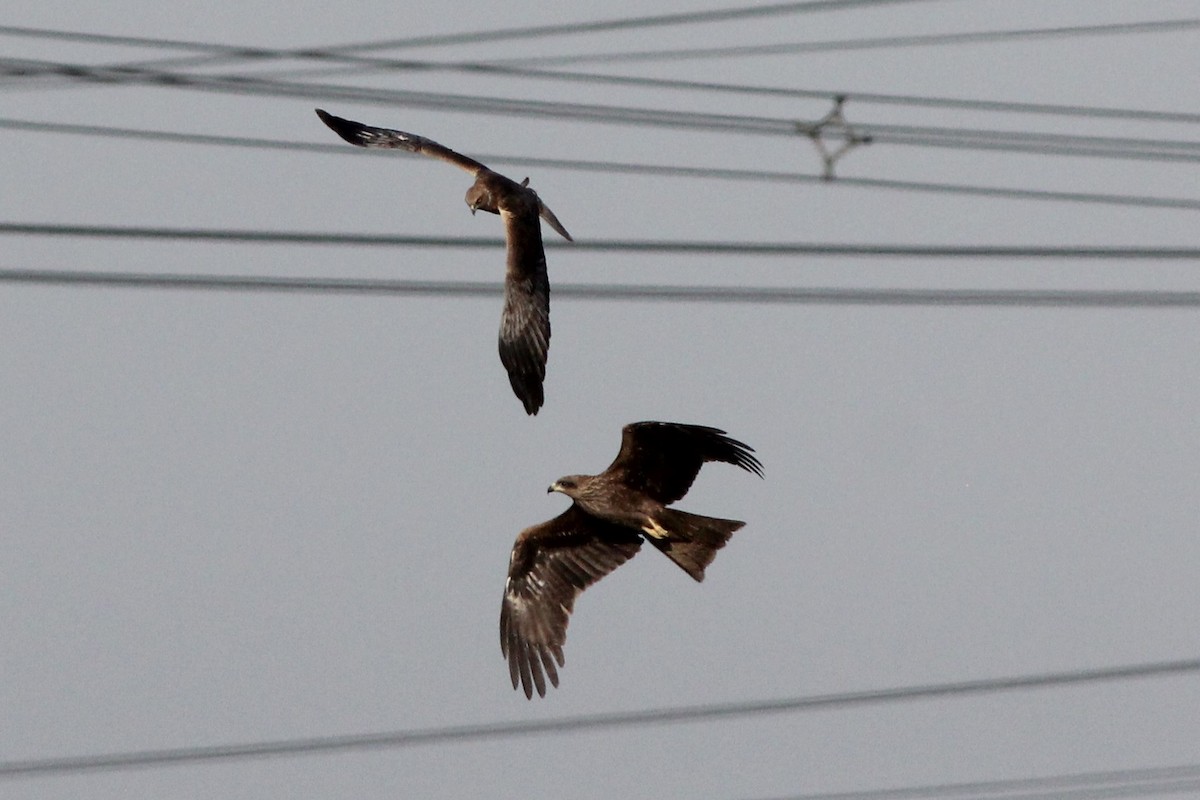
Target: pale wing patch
[[551, 564]]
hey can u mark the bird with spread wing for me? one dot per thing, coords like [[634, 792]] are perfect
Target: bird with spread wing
[[552, 563], [525, 321]]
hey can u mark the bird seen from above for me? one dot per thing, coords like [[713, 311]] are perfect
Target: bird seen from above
[[553, 562], [525, 321]]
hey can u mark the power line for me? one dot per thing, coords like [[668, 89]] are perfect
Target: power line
[[491, 68], [761, 295], [1017, 145], [663, 716], [841, 45], [177, 137], [908, 134], [1147, 789], [1053, 109], [627, 23], [993, 191], [927, 136], [359, 63], [233, 236], [212, 54], [157, 43], [1056, 143], [493, 35], [1180, 145], [342, 56], [1107, 783], [612, 167]]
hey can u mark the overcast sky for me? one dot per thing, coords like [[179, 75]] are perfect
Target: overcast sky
[[234, 517]]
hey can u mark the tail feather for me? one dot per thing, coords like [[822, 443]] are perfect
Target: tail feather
[[693, 540]]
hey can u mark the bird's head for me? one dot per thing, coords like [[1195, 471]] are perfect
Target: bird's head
[[480, 199], [570, 485]]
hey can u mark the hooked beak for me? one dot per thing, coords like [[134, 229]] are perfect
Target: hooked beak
[[552, 488]]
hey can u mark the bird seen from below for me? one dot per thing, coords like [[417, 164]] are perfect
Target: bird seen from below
[[525, 321], [553, 562]]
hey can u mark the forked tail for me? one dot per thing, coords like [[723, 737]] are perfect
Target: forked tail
[[693, 540]]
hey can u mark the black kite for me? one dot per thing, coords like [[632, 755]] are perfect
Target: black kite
[[553, 562], [525, 322]]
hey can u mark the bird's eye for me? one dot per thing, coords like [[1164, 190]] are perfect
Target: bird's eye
[[567, 484]]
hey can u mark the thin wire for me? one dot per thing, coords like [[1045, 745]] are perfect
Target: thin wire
[[663, 716], [927, 136], [763, 295], [1003, 792], [342, 56], [1154, 788], [218, 53], [232, 236], [628, 23], [884, 42], [1120, 142], [612, 167], [360, 63], [1104, 778], [215, 54], [1035, 148], [1039, 143], [176, 137], [156, 43]]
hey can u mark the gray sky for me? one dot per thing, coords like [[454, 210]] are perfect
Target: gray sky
[[234, 517]]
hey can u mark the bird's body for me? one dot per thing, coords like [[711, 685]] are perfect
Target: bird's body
[[525, 321], [553, 562]]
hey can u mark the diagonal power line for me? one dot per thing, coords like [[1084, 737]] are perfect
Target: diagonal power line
[[883, 42], [232, 236], [727, 14], [211, 54], [361, 62], [224, 52], [911, 135], [609, 721], [1082, 785], [758, 295], [358, 64], [610, 167]]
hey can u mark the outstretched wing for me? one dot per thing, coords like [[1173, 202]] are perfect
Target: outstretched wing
[[552, 220], [525, 321], [662, 459], [550, 565], [366, 136]]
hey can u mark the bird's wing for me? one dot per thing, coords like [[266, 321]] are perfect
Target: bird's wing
[[366, 136], [525, 321], [550, 565], [552, 221], [661, 459]]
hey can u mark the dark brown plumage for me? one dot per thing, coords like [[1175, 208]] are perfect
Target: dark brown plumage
[[525, 321], [553, 562]]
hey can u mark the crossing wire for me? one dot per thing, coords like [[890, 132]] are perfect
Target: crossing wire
[[491, 68], [607, 721], [761, 295], [926, 136], [1106, 783], [358, 63], [232, 236], [612, 167], [493, 35], [841, 45], [50, 766]]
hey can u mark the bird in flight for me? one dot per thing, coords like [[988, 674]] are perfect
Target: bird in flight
[[525, 321], [552, 563]]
